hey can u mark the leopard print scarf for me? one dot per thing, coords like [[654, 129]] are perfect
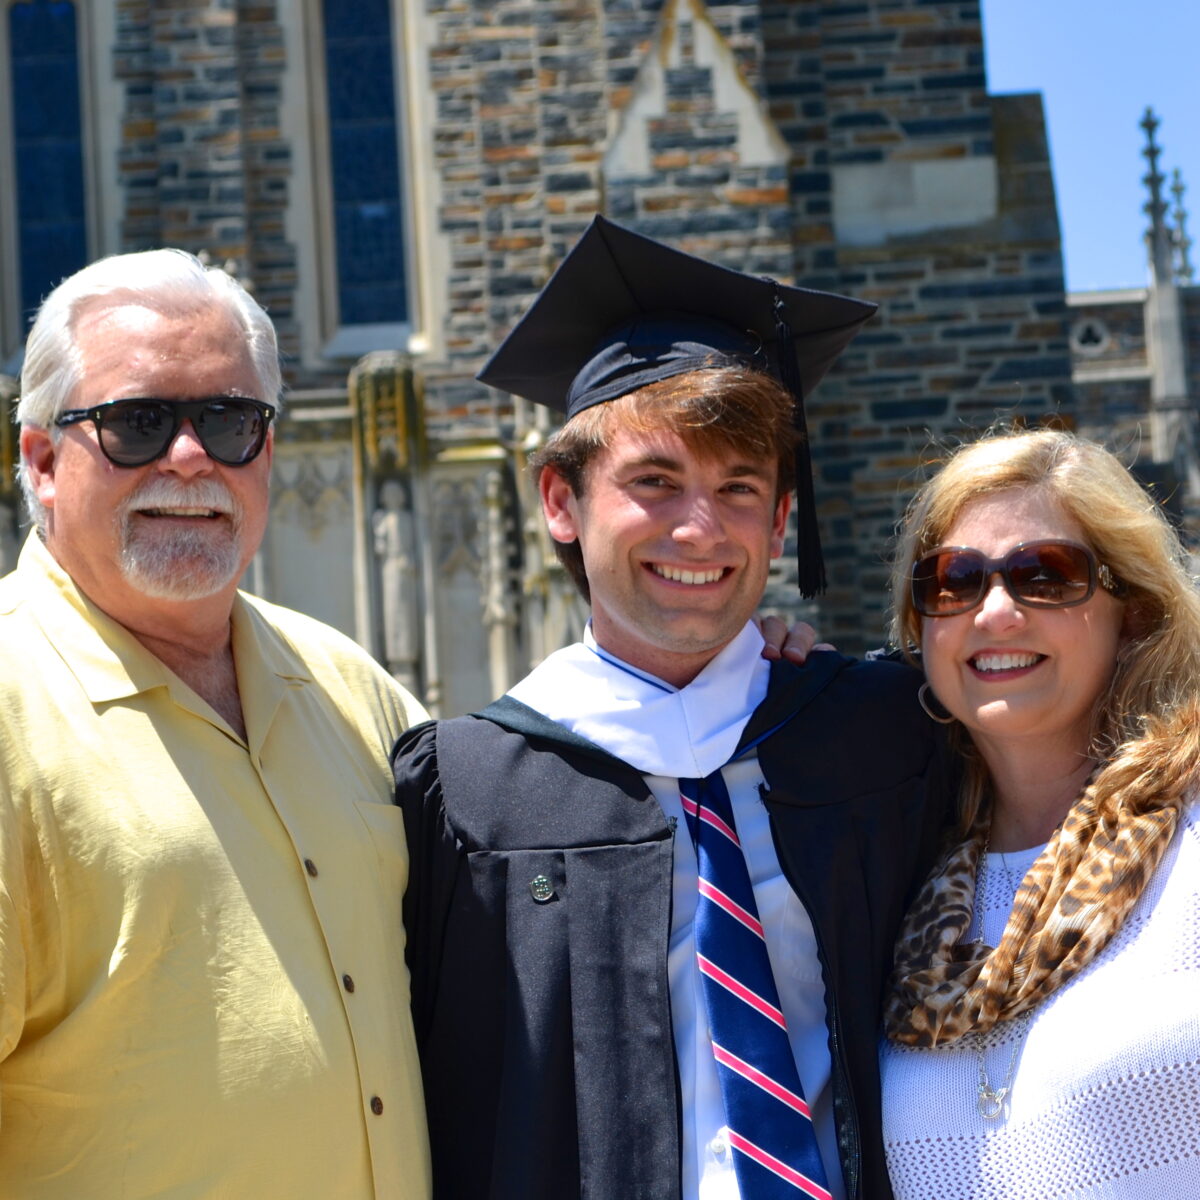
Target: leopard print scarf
[[1074, 898]]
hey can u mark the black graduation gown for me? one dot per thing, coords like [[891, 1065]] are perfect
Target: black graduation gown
[[538, 915]]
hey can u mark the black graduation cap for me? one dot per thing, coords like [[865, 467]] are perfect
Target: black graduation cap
[[623, 310]]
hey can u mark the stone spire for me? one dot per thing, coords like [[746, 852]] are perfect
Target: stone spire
[[1164, 315], [1183, 243], [1158, 235]]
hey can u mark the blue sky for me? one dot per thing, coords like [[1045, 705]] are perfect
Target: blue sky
[[1098, 64]]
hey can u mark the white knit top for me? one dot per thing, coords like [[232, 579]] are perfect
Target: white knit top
[[1105, 1098]]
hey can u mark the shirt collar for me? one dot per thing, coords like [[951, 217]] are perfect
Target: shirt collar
[[647, 722], [107, 660]]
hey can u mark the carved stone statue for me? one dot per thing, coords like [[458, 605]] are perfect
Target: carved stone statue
[[396, 552]]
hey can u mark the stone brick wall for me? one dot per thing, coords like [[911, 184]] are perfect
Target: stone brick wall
[[520, 121], [728, 130], [202, 163], [902, 80], [1114, 411], [772, 135], [972, 323]]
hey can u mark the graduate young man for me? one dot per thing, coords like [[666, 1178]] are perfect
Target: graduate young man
[[654, 888]]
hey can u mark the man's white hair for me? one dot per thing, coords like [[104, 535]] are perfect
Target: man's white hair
[[171, 282]]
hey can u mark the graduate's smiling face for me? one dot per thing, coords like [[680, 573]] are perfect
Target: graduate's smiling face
[[676, 546]]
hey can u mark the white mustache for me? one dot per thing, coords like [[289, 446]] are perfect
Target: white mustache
[[166, 493]]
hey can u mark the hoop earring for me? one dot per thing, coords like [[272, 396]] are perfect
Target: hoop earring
[[924, 695]]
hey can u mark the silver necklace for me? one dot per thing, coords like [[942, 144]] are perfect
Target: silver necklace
[[989, 1100]]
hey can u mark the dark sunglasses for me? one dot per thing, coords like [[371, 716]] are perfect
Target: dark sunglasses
[[954, 579], [134, 432]]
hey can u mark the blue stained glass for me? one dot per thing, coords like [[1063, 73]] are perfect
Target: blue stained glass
[[363, 69], [370, 229], [49, 253], [357, 18], [365, 162], [37, 79], [46, 28], [49, 181], [51, 225], [361, 305]]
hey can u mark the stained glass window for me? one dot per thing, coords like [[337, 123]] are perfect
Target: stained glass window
[[365, 166], [48, 145]]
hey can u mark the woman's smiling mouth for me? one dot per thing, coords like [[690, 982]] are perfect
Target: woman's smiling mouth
[[991, 661]]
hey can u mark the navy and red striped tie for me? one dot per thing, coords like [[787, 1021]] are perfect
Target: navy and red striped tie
[[769, 1123]]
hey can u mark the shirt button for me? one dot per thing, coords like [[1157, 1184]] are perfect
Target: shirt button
[[719, 1147], [376, 1105], [310, 867], [348, 983]]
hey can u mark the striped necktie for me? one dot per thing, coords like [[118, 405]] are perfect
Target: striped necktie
[[769, 1123]]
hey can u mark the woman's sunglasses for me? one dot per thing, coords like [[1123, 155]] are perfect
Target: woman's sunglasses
[[954, 579], [134, 432]]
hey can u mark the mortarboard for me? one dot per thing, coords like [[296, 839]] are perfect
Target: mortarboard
[[623, 310]]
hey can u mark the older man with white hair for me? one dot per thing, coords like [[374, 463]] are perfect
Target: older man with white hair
[[202, 988]]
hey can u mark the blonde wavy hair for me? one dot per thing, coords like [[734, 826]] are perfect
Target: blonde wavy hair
[[1156, 681]]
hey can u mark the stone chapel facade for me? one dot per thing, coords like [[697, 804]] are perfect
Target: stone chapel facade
[[396, 179]]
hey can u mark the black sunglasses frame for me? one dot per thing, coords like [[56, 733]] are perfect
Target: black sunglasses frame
[[176, 412], [1097, 573]]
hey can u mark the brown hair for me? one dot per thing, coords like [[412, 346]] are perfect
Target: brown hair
[[1157, 675], [715, 411]]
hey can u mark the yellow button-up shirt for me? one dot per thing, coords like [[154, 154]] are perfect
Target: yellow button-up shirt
[[202, 987]]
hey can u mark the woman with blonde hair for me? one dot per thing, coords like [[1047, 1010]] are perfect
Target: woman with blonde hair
[[1043, 1026]]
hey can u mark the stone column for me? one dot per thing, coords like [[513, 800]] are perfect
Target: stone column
[[1164, 316], [393, 452]]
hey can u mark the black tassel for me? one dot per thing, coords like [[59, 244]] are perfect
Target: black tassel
[[809, 561]]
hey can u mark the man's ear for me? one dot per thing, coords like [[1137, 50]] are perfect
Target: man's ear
[[779, 525], [38, 455], [559, 506]]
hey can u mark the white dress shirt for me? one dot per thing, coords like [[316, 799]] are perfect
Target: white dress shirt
[[668, 733]]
